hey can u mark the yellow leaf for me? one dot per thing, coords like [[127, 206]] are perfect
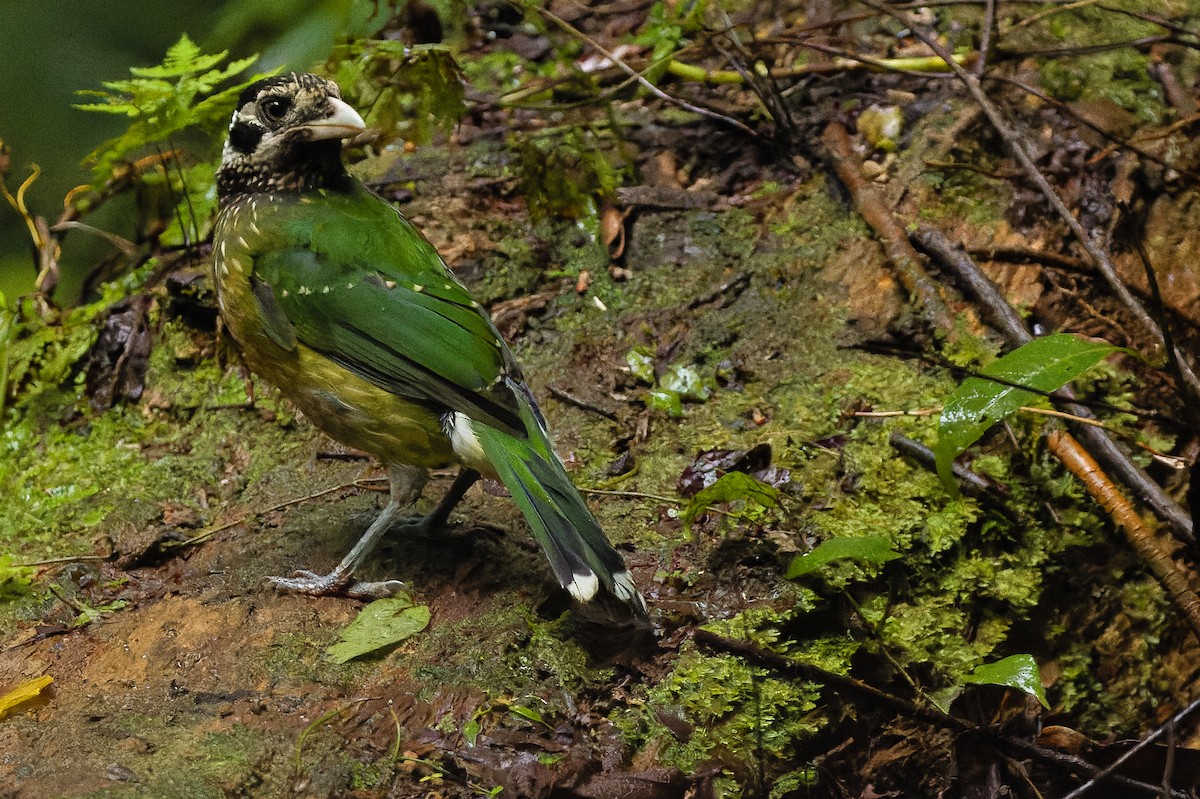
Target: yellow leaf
[[23, 693]]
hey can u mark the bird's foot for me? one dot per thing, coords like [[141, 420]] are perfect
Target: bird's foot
[[416, 527], [336, 583]]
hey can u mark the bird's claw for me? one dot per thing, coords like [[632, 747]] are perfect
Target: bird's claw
[[303, 581], [380, 590]]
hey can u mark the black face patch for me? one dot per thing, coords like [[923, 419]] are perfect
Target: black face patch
[[245, 136]]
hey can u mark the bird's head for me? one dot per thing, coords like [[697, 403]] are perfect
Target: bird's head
[[285, 136]]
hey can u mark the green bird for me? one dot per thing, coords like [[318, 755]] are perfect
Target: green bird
[[343, 304]]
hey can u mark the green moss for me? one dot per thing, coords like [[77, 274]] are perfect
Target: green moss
[[66, 478], [503, 652], [816, 223], [190, 766], [736, 712], [300, 657], [968, 196]]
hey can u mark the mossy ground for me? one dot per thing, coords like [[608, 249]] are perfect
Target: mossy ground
[[203, 683]]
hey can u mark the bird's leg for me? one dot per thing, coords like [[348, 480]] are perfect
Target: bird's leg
[[406, 484], [436, 518]]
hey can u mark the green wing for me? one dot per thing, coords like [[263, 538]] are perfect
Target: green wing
[[355, 281]]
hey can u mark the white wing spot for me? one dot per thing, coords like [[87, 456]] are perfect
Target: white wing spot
[[417, 287], [285, 292], [349, 285], [391, 284], [325, 289], [304, 290]]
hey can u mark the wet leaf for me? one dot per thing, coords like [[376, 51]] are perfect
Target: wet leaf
[[612, 229], [1015, 671], [89, 614], [1044, 364], [117, 362], [881, 126], [25, 692], [709, 465], [641, 365], [526, 713], [686, 382], [470, 732], [667, 401], [732, 487], [383, 623], [868, 549]]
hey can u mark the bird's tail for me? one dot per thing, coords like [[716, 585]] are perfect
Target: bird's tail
[[583, 560]]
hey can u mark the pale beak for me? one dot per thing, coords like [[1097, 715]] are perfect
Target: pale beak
[[343, 123]]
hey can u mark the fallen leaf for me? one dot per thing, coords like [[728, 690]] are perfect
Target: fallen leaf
[[383, 623], [25, 692]]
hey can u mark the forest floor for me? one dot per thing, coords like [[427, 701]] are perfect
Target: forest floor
[[725, 309]]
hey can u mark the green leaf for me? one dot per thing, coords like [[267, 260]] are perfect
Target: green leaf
[[89, 613], [641, 365], [1014, 671], [867, 548], [731, 487], [163, 100], [686, 382], [1044, 364], [470, 732], [668, 402], [383, 623], [410, 91], [526, 713]]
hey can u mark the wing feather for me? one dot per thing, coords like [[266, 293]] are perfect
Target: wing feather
[[370, 293]]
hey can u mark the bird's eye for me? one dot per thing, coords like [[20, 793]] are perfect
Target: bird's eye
[[274, 108]]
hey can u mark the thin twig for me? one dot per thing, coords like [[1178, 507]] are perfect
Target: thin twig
[[569, 398], [1008, 322], [632, 495], [972, 483], [796, 669], [65, 559], [633, 73], [205, 535], [735, 285], [1079, 119], [904, 259], [1039, 16], [1091, 49], [985, 36], [1111, 768], [1140, 538], [1190, 383], [1173, 461]]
